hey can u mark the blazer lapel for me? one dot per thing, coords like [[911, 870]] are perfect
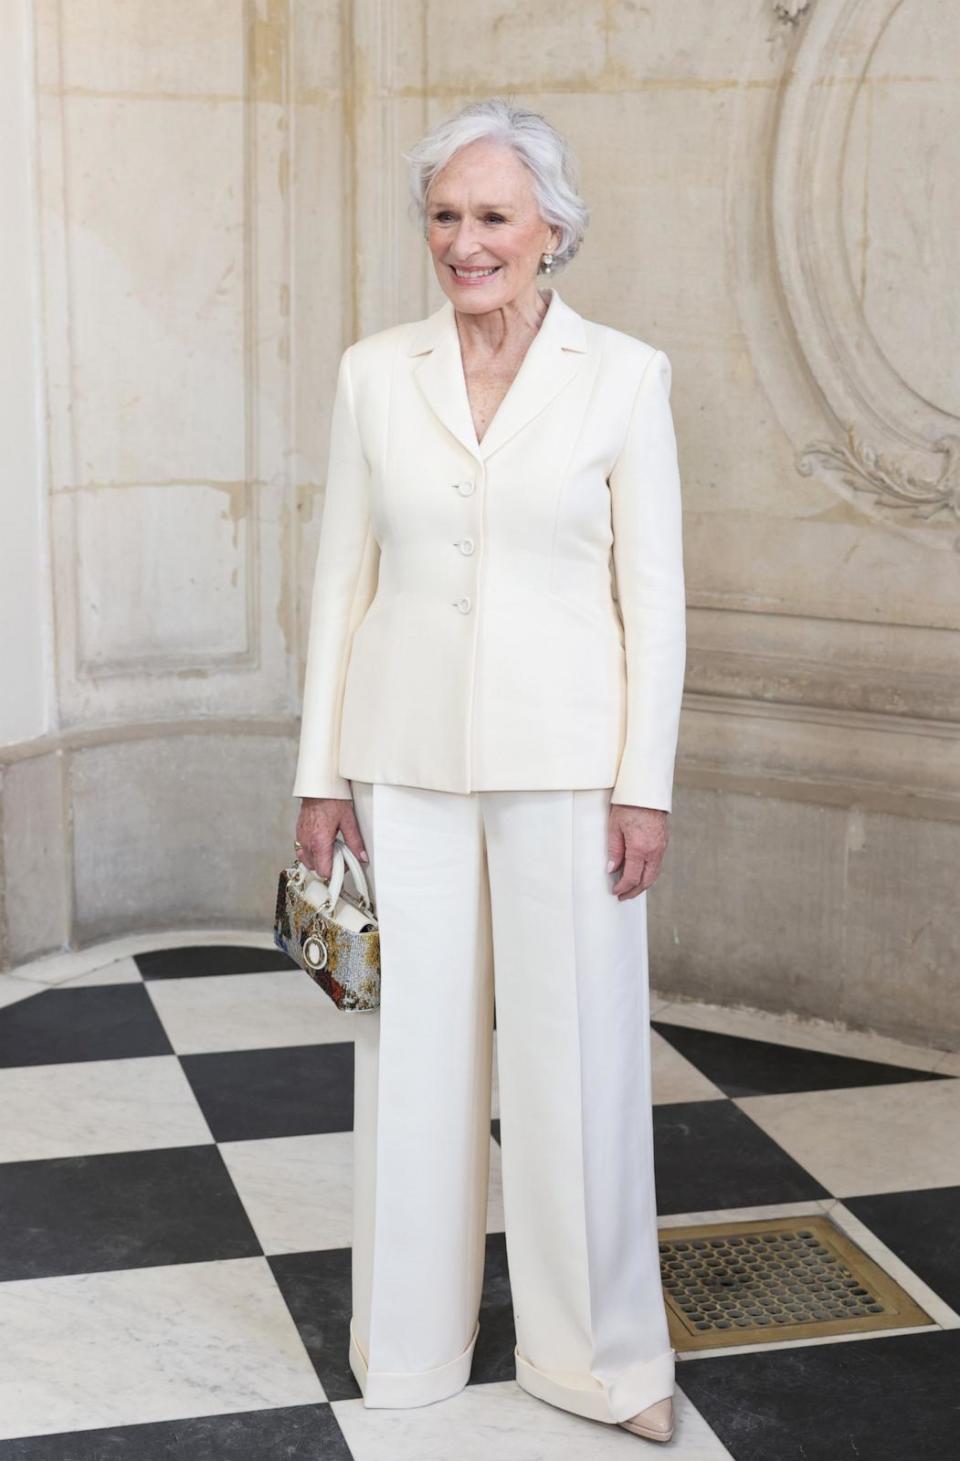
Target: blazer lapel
[[553, 357]]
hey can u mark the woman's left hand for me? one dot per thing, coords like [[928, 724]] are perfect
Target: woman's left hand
[[636, 837]]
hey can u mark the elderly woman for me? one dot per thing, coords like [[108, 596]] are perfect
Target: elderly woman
[[492, 697]]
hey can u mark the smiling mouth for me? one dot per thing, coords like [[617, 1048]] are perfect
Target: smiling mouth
[[468, 275]]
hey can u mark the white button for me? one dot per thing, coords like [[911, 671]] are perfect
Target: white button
[[463, 605], [465, 545], [465, 488]]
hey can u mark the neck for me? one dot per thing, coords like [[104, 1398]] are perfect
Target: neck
[[499, 329]]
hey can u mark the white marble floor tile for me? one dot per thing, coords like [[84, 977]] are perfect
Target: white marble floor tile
[[13, 990], [690, 1357], [675, 1078], [137, 1345], [55, 968], [298, 1190], [868, 1138], [88, 1106], [789, 1029], [247, 1012], [495, 1082], [811, 1207], [502, 1422], [120, 971]]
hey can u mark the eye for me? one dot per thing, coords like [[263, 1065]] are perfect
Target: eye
[[444, 214]]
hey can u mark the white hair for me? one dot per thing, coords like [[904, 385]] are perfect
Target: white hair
[[536, 142]]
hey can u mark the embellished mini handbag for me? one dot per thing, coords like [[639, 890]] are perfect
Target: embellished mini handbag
[[330, 933]]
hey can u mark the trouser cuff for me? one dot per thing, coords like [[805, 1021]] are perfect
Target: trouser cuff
[[402, 1388], [633, 1390]]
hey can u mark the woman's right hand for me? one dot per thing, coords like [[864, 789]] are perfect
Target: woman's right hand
[[317, 825]]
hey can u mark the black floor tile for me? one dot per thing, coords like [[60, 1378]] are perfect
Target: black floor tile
[[318, 1293], [894, 1398], [742, 1067], [199, 959], [293, 1433], [295, 1090], [889, 1398], [493, 1357], [922, 1228], [101, 1022], [120, 1210], [710, 1154]]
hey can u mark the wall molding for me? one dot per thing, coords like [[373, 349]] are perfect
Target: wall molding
[[380, 116], [898, 453], [120, 680], [899, 763]]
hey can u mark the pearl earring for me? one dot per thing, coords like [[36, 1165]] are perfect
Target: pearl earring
[[548, 263]]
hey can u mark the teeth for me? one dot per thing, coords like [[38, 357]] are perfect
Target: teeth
[[474, 273]]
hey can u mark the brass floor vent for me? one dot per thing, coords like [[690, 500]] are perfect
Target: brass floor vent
[[774, 1279]]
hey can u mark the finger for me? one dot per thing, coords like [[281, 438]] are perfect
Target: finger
[[351, 836], [634, 881], [350, 828], [304, 845], [615, 843], [320, 860], [638, 886], [633, 865], [650, 873]]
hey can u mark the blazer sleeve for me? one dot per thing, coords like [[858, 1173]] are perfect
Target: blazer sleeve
[[648, 561], [345, 581]]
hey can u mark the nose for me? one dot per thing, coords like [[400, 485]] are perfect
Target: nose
[[465, 242]]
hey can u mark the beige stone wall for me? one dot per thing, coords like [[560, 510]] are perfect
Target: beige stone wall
[[220, 205]]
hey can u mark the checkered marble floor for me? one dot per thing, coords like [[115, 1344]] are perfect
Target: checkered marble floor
[[175, 1202]]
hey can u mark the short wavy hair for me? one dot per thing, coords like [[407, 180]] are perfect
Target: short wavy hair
[[536, 142]]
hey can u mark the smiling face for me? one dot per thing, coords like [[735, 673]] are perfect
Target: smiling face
[[483, 220]]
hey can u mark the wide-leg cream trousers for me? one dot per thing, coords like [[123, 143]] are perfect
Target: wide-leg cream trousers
[[505, 893]]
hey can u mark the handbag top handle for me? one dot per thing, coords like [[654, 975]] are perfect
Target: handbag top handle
[[345, 859]]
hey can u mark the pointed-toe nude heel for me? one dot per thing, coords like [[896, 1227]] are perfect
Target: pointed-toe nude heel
[[654, 1424]]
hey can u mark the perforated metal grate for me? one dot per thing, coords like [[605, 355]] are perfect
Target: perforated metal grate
[[775, 1279]]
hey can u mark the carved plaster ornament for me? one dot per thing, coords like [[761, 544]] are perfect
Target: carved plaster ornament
[[867, 470]]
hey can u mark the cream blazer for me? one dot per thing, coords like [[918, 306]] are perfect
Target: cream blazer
[[502, 614]]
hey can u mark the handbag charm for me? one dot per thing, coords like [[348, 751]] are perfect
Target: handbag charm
[[333, 935]]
